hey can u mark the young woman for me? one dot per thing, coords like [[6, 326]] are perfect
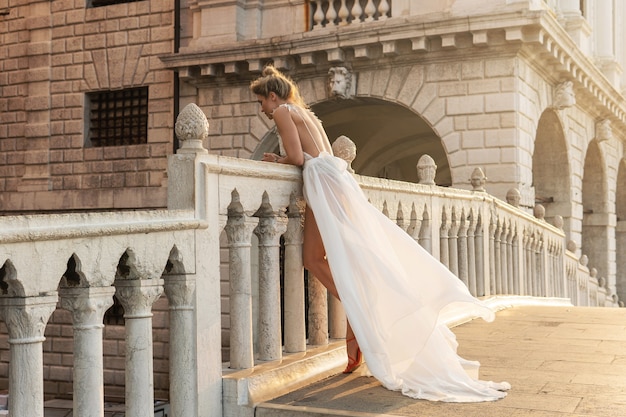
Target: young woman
[[395, 294]]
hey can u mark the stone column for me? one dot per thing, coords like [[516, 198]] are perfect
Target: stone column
[[295, 324], [88, 306], [318, 312], [180, 291], [604, 40], [26, 320], [269, 230], [137, 297], [239, 234]]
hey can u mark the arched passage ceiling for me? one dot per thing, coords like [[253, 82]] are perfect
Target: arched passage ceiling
[[389, 138]]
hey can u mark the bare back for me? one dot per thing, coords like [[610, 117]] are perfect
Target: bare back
[[310, 131]]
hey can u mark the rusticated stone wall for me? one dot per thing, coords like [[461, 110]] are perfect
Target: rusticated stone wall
[[51, 55]]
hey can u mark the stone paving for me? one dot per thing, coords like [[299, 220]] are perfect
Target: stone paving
[[560, 361]]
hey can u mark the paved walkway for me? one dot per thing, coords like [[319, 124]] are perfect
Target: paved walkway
[[560, 361]]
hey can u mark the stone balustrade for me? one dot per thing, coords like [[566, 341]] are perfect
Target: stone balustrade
[[252, 211]]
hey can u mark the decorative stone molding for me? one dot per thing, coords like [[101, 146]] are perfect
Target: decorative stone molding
[[478, 180], [341, 82], [26, 318], [564, 95], [192, 127], [344, 148], [604, 130], [426, 170], [87, 305]]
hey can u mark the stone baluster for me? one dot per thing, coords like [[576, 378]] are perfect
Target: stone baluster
[[318, 312], [343, 14], [463, 250], [337, 322], [383, 9], [400, 217], [515, 264], [453, 248], [533, 265], [504, 256], [370, 10], [26, 320], [180, 290], [498, 257], [425, 231], [331, 14], [480, 257], [137, 297], [87, 306], [471, 253], [492, 255], [239, 234], [443, 239], [509, 259], [271, 226], [529, 265], [541, 266], [295, 324], [357, 11], [318, 16], [414, 225]]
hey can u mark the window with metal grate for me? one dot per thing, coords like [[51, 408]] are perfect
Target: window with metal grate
[[118, 117]]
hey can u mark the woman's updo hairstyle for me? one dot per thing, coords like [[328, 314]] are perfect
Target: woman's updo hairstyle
[[274, 81]]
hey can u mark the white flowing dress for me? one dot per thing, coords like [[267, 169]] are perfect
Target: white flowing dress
[[396, 295]]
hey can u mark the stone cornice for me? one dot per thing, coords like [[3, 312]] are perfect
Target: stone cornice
[[535, 35]]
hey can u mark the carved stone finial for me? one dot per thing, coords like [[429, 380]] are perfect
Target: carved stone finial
[[584, 260], [539, 211], [604, 130], [571, 246], [601, 281], [345, 149], [513, 197], [558, 222], [564, 95], [192, 127], [426, 170], [478, 180], [594, 273], [340, 82]]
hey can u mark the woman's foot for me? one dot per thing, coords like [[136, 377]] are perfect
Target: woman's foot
[[355, 360]]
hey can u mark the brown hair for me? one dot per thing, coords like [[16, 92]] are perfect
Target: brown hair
[[274, 81]]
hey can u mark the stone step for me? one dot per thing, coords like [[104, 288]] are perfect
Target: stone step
[[280, 410]]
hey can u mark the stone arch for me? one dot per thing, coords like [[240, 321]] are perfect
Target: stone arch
[[595, 227], [390, 138], [174, 263], [73, 275], [9, 284], [620, 231], [551, 170]]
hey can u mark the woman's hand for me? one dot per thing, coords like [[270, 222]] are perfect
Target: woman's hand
[[270, 157]]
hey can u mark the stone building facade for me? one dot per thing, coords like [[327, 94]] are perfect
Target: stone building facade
[[530, 91]]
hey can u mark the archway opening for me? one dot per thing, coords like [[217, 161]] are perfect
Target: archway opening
[[389, 138], [551, 170], [595, 225]]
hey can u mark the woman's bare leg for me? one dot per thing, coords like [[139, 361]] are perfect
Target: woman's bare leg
[[314, 259]]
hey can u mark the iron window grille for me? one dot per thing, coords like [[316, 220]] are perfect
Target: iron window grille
[[119, 117]]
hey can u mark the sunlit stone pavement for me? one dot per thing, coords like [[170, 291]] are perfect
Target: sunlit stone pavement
[[560, 361]]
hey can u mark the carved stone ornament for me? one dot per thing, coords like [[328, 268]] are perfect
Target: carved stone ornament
[[192, 127], [513, 197], [345, 149], [564, 95], [478, 180], [426, 170], [604, 130], [340, 82]]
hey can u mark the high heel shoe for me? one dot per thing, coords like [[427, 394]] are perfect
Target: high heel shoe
[[353, 363]]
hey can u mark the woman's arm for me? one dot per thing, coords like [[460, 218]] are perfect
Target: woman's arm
[[291, 140]]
